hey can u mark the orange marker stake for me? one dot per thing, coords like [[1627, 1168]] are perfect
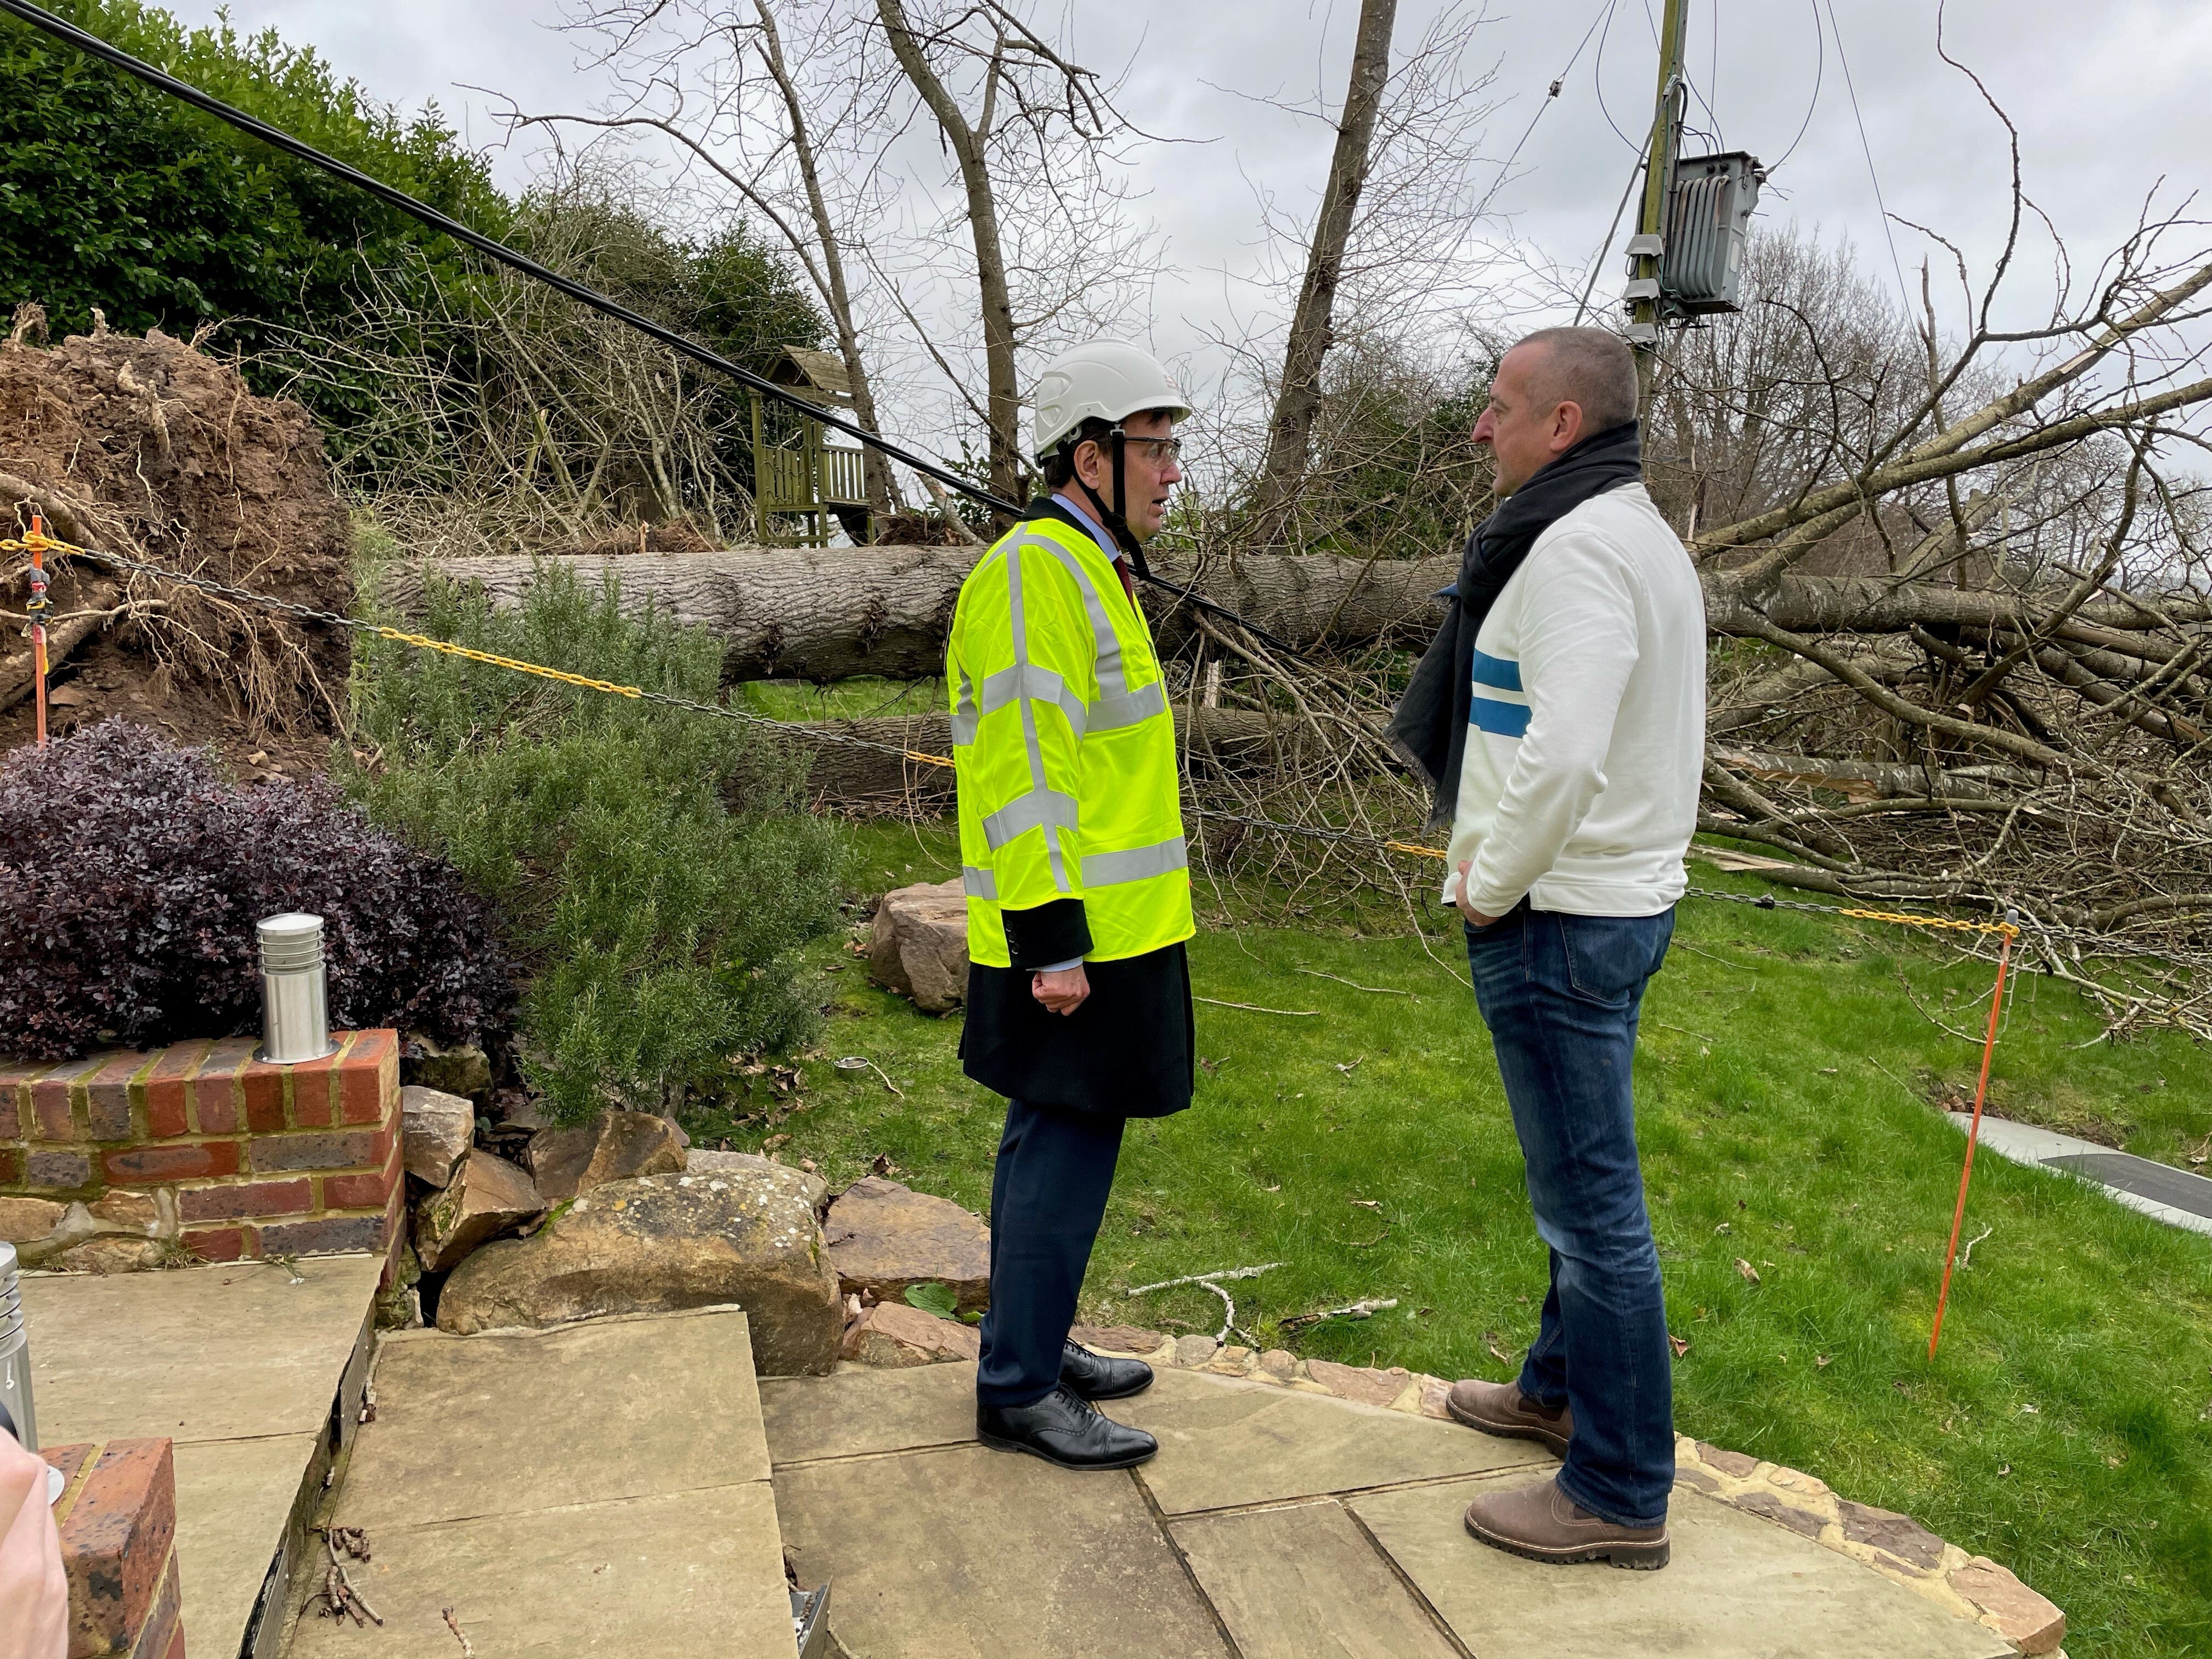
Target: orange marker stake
[[1973, 1134], [37, 623]]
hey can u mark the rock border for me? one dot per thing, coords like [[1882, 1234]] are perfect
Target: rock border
[[1895, 1545]]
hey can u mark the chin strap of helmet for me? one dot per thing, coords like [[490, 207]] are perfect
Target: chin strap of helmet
[[1116, 523], [1116, 517]]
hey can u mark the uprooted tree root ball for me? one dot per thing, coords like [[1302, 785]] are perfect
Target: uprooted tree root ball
[[155, 450]]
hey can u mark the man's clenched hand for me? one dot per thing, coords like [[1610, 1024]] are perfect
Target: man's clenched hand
[[1474, 917], [1061, 992]]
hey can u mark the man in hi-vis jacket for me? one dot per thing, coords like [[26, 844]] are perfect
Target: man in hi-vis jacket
[[1079, 899]]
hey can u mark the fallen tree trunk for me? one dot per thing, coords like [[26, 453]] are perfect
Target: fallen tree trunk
[[831, 613]]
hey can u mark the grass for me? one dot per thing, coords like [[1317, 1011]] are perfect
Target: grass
[[1787, 1083]]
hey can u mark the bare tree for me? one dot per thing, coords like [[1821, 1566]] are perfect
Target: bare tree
[[1298, 399], [1038, 123], [685, 71]]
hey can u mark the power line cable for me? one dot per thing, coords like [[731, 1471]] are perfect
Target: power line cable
[[1597, 76], [1551, 96], [1820, 71], [93, 47], [1866, 147]]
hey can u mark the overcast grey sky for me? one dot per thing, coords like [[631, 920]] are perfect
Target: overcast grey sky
[[2110, 97]]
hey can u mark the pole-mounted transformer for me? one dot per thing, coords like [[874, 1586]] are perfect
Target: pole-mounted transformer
[[1708, 205], [1686, 257]]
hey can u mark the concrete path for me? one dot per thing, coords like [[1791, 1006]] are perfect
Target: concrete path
[[1274, 1524], [252, 1368], [2173, 1196], [593, 1489]]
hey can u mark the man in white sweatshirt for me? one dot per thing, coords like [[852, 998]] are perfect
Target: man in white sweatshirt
[[1576, 657]]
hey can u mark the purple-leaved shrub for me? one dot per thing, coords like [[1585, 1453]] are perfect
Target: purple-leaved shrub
[[132, 876]]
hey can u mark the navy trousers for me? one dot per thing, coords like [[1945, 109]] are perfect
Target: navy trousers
[[1560, 994], [1048, 1197]]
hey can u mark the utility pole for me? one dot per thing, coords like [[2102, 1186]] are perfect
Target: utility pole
[[1667, 119]]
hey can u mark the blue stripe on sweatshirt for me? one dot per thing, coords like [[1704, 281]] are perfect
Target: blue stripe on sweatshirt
[[1504, 720], [1497, 671]]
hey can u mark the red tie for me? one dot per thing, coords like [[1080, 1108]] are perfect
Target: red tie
[[1122, 570]]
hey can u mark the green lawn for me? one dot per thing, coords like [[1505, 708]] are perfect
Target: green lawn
[[1785, 1081]]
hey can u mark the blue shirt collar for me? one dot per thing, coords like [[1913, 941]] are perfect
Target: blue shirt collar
[[1106, 544]]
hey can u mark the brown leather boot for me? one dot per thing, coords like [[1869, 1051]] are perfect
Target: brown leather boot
[[1544, 1525], [1501, 1408]]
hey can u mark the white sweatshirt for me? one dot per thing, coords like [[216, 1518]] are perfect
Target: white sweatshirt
[[1580, 785]]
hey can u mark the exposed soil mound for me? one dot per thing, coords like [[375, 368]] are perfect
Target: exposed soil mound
[[152, 449]]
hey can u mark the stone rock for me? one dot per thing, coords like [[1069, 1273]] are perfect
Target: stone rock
[[920, 945], [435, 1128], [612, 1147], [1280, 1364], [1435, 1391], [1371, 1387], [139, 1212], [1118, 1338], [486, 1197], [660, 1243], [811, 1188], [461, 1068], [892, 1334], [111, 1254], [2028, 1621], [1697, 1479], [24, 1220], [1727, 1462], [399, 1304], [1767, 1506], [1194, 1350], [884, 1237], [1885, 1530]]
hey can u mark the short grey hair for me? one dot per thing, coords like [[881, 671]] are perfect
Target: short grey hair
[[1589, 367]]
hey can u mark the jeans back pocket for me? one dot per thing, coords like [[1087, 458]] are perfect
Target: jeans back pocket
[[1609, 957]]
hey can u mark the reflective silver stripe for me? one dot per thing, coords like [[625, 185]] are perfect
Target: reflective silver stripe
[[1112, 680], [1110, 869], [1040, 809], [964, 713], [1040, 684], [1039, 798], [978, 883], [1131, 709]]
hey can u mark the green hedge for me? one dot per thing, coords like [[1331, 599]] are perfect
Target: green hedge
[[654, 871]]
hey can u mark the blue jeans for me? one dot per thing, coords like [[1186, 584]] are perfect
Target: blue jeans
[[1560, 994]]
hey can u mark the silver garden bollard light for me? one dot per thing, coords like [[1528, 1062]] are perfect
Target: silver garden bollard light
[[17, 1410], [16, 1354], [296, 1020]]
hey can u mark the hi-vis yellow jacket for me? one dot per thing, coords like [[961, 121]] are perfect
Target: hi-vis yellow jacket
[[1071, 818]]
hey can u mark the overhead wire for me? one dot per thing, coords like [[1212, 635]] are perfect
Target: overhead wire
[[1551, 96], [1819, 71], [1867, 148]]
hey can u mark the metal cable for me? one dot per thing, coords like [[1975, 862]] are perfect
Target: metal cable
[[445, 224]]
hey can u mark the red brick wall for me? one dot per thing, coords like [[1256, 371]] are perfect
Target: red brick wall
[[117, 1517], [261, 1159]]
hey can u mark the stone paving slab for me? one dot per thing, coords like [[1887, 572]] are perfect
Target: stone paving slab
[[858, 1413], [1737, 1588], [679, 1576], [238, 1364], [1224, 1443], [1303, 1582], [214, 1353], [235, 1500], [520, 1420], [963, 1552]]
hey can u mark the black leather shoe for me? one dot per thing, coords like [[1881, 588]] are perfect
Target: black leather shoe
[[1094, 1377], [1066, 1431]]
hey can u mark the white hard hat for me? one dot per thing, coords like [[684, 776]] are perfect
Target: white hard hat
[[1103, 381]]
